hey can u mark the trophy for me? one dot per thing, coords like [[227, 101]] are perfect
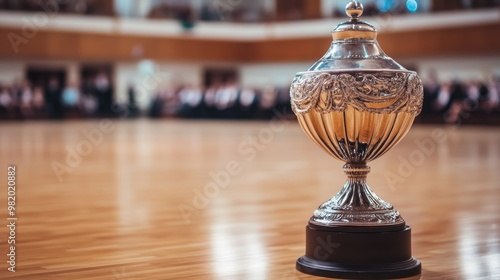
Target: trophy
[[356, 103]]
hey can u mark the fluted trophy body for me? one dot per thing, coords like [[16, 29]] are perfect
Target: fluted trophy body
[[356, 117]]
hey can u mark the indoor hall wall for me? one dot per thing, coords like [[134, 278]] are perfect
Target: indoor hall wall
[[275, 74], [447, 68], [12, 70]]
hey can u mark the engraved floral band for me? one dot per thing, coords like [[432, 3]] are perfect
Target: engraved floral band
[[376, 92]]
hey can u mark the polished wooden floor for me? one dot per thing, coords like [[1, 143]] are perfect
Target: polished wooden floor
[[140, 203]]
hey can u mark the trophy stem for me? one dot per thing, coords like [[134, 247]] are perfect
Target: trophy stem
[[356, 204], [356, 187], [356, 195]]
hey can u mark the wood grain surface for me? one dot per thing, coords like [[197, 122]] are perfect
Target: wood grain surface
[[111, 208], [476, 40]]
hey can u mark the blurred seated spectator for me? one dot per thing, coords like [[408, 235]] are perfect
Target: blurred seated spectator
[[89, 104], [25, 101], [53, 92], [456, 102], [209, 99], [191, 101], [7, 105], [493, 93], [431, 93], [38, 105], [210, 12], [170, 99], [155, 109], [164, 103], [71, 101], [225, 100], [248, 103], [282, 99], [443, 97], [133, 107], [472, 90], [267, 102], [103, 91]]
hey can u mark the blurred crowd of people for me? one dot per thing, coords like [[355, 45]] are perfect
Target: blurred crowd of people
[[188, 13], [94, 98], [221, 100], [456, 100], [53, 100], [184, 12], [79, 7], [448, 102]]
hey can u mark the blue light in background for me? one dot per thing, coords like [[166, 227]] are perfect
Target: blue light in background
[[385, 5], [412, 5]]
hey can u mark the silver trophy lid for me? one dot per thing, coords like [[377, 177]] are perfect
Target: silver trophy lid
[[355, 47]]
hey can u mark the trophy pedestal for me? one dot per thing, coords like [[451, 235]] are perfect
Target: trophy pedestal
[[359, 252]]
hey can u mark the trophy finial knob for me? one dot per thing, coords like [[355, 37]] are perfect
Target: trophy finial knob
[[354, 9], [354, 28]]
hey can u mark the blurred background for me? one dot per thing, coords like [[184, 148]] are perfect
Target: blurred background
[[230, 59], [148, 195]]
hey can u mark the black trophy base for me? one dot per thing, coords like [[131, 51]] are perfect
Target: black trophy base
[[343, 253]]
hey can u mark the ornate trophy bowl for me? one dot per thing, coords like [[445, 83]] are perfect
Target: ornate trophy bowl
[[356, 103]]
